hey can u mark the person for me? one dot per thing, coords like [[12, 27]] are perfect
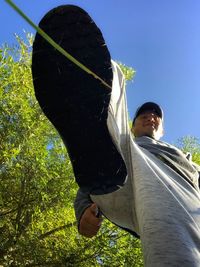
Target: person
[[141, 184]]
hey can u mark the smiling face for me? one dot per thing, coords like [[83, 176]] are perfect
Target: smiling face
[[148, 123]]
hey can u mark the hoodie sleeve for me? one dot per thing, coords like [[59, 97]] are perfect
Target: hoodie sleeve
[[197, 167], [82, 201]]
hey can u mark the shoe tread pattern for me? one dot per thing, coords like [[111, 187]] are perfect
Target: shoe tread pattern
[[75, 102]]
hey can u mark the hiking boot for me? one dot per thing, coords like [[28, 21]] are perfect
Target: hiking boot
[[75, 102]]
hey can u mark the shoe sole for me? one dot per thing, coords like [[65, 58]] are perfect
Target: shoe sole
[[75, 102]]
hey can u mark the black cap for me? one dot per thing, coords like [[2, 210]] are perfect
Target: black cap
[[149, 106]]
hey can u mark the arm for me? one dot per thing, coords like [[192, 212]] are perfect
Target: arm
[[199, 179], [86, 214], [197, 167]]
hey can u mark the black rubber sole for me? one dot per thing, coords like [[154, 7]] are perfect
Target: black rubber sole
[[75, 102]]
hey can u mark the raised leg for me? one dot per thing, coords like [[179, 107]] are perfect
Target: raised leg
[[74, 101]]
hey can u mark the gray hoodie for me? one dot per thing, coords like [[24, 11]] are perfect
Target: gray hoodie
[[169, 155]]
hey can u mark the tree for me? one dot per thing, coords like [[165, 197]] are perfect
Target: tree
[[37, 222], [190, 144]]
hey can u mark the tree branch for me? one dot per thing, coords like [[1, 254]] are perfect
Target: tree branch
[[56, 230]]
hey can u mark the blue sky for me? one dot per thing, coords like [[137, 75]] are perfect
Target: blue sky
[[159, 39]]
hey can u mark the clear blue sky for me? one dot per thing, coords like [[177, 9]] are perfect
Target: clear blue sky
[[159, 39]]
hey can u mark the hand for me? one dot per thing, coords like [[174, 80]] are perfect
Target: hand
[[89, 222]]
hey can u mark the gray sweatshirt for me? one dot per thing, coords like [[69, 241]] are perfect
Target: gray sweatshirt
[[171, 156]]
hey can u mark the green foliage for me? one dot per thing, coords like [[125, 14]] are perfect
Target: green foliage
[[37, 188], [190, 144], [128, 72]]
